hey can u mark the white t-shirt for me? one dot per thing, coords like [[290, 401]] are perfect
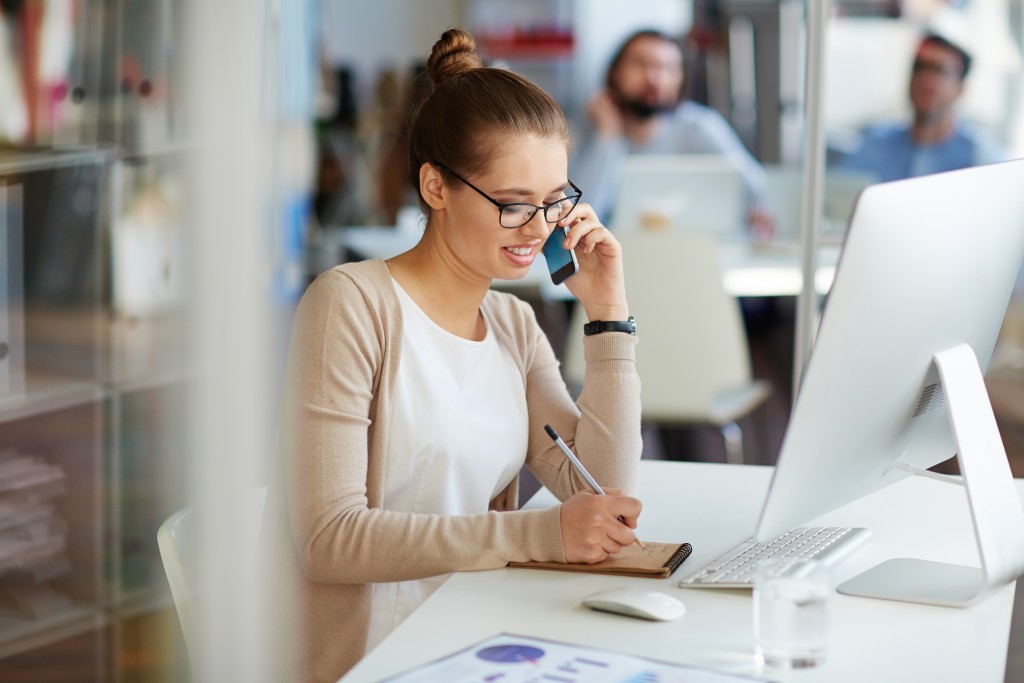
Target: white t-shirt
[[458, 437]]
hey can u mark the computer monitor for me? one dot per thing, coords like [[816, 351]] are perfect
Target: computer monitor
[[920, 292], [784, 192], [681, 192], [842, 187]]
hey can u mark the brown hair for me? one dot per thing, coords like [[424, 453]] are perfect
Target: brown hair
[[472, 107]]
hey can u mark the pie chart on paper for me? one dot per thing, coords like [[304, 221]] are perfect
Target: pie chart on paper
[[510, 654]]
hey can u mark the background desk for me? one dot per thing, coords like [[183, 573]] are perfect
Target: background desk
[[749, 270], [713, 507]]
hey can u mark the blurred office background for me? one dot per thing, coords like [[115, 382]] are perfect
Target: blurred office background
[[172, 175]]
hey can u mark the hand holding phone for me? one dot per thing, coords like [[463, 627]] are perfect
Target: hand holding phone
[[562, 263]]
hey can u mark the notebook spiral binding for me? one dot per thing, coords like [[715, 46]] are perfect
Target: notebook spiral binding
[[678, 556]]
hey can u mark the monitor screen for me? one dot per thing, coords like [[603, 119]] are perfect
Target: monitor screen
[[929, 264]]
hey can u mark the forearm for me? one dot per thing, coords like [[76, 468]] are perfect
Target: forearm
[[603, 428], [608, 437], [361, 545]]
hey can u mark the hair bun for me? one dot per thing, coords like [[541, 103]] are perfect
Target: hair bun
[[453, 54]]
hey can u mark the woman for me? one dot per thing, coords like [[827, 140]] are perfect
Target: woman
[[416, 393]]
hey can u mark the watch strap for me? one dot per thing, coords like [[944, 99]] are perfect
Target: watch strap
[[598, 326]]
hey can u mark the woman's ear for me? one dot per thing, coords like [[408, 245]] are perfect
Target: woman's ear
[[432, 187]]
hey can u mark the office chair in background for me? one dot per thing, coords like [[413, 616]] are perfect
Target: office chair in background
[[177, 539], [693, 357]]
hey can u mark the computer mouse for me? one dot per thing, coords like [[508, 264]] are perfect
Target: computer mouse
[[636, 602]]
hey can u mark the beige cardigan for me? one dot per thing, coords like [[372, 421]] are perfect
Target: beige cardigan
[[344, 356]]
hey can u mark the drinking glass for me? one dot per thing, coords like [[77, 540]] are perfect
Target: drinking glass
[[792, 605]]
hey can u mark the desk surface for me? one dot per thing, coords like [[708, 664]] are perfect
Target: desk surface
[[713, 507], [748, 270]]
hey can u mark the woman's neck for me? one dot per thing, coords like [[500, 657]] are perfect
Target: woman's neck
[[448, 294]]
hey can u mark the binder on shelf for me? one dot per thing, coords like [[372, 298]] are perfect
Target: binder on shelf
[[12, 326]]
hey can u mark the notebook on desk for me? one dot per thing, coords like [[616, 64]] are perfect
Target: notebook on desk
[[657, 560]]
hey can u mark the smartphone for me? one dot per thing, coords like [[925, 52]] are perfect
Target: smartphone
[[562, 263]]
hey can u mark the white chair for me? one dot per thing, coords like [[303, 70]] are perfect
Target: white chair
[[693, 357], [177, 538]]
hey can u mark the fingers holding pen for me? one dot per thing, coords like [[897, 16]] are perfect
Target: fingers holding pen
[[594, 527]]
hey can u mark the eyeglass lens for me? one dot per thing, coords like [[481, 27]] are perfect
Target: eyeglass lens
[[518, 215]]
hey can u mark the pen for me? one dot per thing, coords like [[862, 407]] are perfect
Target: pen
[[581, 469]]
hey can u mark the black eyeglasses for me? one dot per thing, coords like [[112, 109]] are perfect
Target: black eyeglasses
[[518, 214]]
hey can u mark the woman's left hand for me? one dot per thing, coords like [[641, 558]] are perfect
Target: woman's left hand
[[599, 284]]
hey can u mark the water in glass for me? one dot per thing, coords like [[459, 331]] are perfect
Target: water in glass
[[791, 615]]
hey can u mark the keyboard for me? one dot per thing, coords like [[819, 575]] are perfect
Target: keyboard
[[736, 567]]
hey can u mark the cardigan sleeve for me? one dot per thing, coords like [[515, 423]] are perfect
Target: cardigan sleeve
[[336, 383], [602, 427]]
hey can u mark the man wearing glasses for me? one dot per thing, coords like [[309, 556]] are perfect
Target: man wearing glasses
[[935, 140]]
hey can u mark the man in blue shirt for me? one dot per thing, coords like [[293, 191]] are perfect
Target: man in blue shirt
[[641, 111], [935, 141]]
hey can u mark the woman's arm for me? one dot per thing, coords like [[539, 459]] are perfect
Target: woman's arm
[[335, 433], [603, 427]]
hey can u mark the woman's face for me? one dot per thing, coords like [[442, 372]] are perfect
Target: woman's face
[[528, 170]]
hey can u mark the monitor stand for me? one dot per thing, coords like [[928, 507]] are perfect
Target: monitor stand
[[991, 496]]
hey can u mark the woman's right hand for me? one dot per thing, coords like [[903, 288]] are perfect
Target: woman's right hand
[[591, 525]]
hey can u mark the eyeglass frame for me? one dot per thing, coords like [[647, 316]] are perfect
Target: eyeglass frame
[[501, 206]]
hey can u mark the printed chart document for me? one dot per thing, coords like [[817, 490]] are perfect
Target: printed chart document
[[509, 658]]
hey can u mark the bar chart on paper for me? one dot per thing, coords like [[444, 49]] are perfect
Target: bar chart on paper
[[520, 659]]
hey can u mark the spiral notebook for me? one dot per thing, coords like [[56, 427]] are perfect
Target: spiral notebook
[[657, 560]]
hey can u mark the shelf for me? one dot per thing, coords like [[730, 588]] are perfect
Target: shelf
[[154, 380], [529, 52], [17, 160], [20, 635], [48, 393], [144, 601]]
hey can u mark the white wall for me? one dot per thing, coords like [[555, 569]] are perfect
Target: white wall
[[377, 34]]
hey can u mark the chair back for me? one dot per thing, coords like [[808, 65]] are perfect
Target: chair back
[[178, 539], [693, 345]]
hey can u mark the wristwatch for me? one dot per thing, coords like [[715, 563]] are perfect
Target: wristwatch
[[599, 326]]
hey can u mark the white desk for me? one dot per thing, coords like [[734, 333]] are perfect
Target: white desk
[[713, 507], [749, 270]]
